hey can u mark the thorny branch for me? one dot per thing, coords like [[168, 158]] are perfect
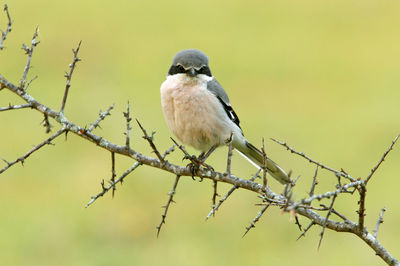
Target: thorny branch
[[102, 116], [68, 75], [8, 29], [14, 107], [166, 207], [256, 219], [302, 207]]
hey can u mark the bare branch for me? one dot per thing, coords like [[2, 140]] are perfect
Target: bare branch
[[378, 223], [215, 194], [8, 29], [102, 116], [112, 180], [128, 126], [314, 183], [264, 167], [326, 220], [69, 75], [170, 200], [306, 230], [150, 140], [112, 185], [373, 170], [361, 211], [335, 212], [36, 148], [29, 52], [227, 195], [256, 219], [14, 107], [169, 151], [337, 173], [329, 194]]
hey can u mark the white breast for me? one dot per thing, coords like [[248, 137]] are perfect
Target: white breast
[[193, 113]]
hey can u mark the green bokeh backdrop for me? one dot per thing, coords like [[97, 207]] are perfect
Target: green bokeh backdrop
[[321, 75]]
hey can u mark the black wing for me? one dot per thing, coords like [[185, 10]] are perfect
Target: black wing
[[221, 95]]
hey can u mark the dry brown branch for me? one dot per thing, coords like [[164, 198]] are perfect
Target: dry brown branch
[[318, 215]]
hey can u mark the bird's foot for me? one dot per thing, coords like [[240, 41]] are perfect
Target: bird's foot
[[195, 164]]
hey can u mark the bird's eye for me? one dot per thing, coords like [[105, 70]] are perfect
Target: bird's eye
[[180, 69], [205, 70], [176, 69]]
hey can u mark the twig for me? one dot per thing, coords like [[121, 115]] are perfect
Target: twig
[[29, 83], [169, 151], [170, 200], [329, 194], [256, 219], [29, 52], [102, 116], [215, 194], [14, 107], [306, 230], [8, 29], [344, 218], [227, 195], [228, 173], [361, 211], [128, 125], [264, 167], [378, 223], [150, 140], [373, 170], [230, 154], [297, 222], [314, 183], [121, 178], [337, 173], [112, 180], [36, 148], [69, 75], [326, 220], [112, 185]]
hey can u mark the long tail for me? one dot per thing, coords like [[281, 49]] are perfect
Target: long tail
[[253, 154]]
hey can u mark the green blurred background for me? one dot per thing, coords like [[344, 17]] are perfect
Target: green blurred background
[[321, 75]]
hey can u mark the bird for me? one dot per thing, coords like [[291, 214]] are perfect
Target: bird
[[197, 110]]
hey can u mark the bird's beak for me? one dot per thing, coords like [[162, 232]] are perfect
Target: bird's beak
[[191, 72]]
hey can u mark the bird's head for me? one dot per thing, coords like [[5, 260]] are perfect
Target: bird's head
[[191, 62]]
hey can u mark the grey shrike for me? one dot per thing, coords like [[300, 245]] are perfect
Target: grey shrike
[[197, 110]]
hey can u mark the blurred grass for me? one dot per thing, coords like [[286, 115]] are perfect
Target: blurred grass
[[321, 75]]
